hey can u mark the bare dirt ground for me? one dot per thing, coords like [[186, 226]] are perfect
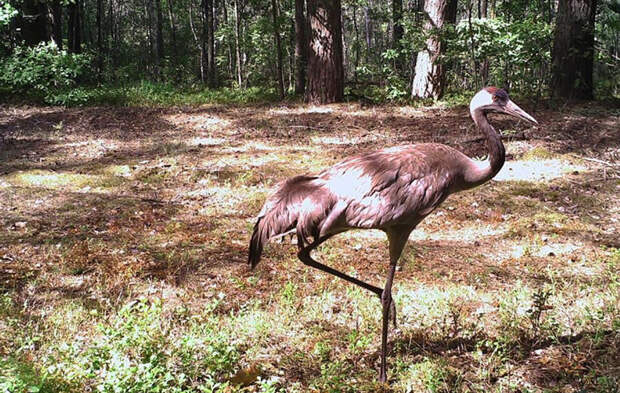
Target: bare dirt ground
[[102, 205]]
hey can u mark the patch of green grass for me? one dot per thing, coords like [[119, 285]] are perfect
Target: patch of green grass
[[73, 181], [431, 376], [524, 188], [545, 221], [17, 376], [288, 294], [147, 93], [538, 153], [154, 176], [140, 351], [334, 378]]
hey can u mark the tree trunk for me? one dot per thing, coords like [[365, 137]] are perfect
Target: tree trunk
[[156, 40], [397, 30], [301, 47], [573, 49], [276, 38], [210, 43], [173, 31], [159, 36], [147, 59], [484, 67], [33, 22], [100, 49], [55, 13], [111, 37], [74, 41], [429, 76], [229, 47], [357, 42], [238, 45], [368, 28], [325, 68], [199, 43]]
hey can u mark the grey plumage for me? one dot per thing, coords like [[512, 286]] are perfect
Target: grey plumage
[[391, 189]]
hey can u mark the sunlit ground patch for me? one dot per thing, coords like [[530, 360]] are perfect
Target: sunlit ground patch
[[467, 234], [536, 171], [118, 170], [411, 111], [49, 179], [546, 250], [335, 140], [209, 122], [65, 180], [206, 141], [343, 140], [319, 109]]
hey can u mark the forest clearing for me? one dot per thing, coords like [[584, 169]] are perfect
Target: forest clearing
[[140, 139], [123, 254]]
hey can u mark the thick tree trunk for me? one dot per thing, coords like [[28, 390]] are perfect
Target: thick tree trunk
[[429, 76], [56, 21], [301, 47], [74, 41], [276, 38], [33, 22], [573, 49], [397, 29], [325, 68], [397, 22], [156, 39]]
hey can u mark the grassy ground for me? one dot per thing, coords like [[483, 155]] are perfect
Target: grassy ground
[[123, 241]]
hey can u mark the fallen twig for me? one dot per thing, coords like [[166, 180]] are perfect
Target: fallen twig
[[600, 161]]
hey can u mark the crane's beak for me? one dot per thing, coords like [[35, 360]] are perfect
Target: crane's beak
[[512, 109]]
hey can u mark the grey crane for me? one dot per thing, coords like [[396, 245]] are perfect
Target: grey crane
[[391, 189]]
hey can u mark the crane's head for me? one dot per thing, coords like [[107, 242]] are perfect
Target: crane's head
[[494, 100]]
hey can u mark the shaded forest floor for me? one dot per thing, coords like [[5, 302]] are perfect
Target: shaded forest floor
[[123, 246]]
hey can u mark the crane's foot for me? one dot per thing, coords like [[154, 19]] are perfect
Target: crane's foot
[[382, 376]]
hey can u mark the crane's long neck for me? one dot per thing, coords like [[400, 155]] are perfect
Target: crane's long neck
[[475, 174]]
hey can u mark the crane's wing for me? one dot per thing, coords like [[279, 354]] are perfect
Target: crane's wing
[[394, 186]]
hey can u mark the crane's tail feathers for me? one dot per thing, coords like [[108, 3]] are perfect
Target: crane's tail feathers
[[282, 214], [275, 224], [256, 245]]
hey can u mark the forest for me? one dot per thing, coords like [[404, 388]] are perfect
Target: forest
[[76, 52], [140, 140]]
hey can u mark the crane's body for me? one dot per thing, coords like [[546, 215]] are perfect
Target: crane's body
[[391, 189]]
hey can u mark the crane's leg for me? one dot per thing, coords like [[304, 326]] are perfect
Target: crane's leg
[[304, 256], [397, 238]]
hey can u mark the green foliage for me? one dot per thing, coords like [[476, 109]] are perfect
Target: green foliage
[[148, 93], [432, 376], [334, 378], [44, 72], [607, 62], [517, 52], [7, 12], [137, 351], [16, 376]]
